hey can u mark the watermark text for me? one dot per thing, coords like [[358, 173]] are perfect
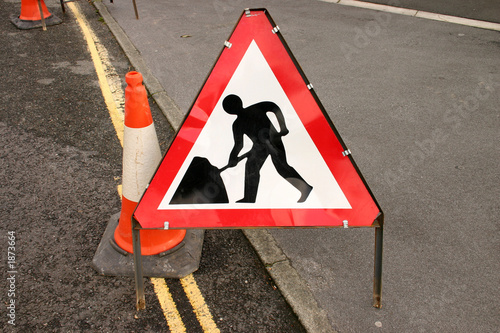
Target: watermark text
[[11, 277]]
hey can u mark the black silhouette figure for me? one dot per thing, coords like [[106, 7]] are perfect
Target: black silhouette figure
[[253, 122]]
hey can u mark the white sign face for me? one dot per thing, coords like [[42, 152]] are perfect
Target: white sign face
[[254, 82]]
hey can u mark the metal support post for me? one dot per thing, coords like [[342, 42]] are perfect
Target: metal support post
[[44, 26], [139, 281], [377, 277], [135, 10]]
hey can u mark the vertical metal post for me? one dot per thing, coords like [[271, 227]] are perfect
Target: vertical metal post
[[135, 9], [44, 27], [139, 281], [63, 7], [377, 277]]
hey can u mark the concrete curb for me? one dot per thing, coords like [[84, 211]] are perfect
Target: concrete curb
[[419, 13], [292, 286]]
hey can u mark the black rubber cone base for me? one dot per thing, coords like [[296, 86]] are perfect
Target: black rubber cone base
[[178, 262], [27, 24]]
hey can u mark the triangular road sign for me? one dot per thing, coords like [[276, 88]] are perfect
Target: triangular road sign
[[257, 149]]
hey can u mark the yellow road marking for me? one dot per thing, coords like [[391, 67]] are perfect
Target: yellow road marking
[[200, 308], [116, 116], [189, 284], [168, 306], [165, 298]]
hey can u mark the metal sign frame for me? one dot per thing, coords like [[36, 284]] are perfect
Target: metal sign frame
[[378, 225], [368, 213]]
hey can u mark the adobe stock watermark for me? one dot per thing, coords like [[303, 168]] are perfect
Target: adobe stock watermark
[[364, 35], [452, 119], [11, 277]]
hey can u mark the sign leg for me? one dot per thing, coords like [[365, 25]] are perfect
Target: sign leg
[[135, 10], [139, 281], [44, 27], [377, 278]]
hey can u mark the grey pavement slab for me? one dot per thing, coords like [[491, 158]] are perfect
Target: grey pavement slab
[[417, 102], [484, 10]]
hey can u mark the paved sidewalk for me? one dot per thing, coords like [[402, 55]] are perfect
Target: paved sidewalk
[[485, 10], [417, 103]]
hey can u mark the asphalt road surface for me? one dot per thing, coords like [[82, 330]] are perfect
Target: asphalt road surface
[[60, 167]]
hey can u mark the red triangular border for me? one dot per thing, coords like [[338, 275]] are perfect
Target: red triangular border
[[259, 26]]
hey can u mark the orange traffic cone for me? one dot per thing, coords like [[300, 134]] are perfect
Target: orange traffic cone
[[141, 157], [166, 253], [31, 15]]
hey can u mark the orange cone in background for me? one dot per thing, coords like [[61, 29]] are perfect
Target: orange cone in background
[[31, 17], [141, 157]]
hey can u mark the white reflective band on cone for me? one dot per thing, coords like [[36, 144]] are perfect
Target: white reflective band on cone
[[141, 157]]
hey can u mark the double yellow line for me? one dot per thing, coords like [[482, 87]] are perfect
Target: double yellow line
[[107, 77], [196, 299]]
